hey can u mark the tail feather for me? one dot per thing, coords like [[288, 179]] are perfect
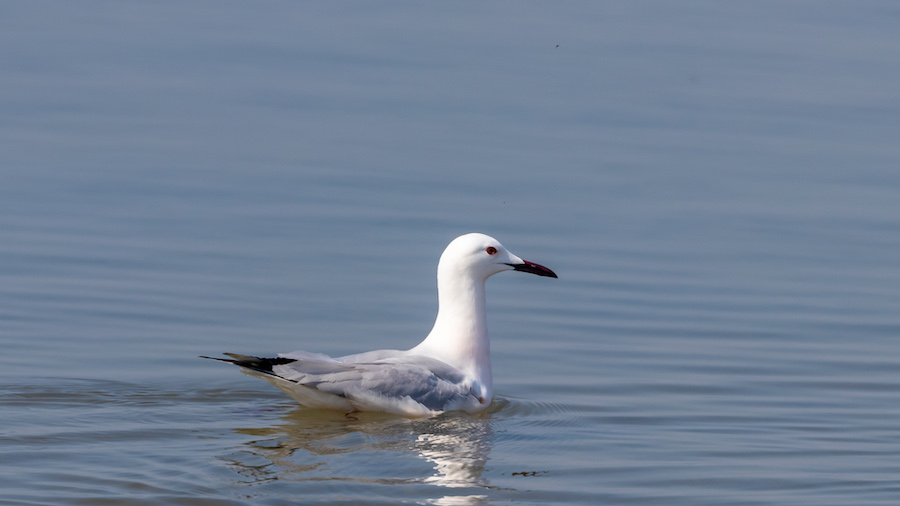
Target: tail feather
[[263, 365], [305, 395]]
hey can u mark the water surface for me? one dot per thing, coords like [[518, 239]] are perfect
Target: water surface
[[716, 186]]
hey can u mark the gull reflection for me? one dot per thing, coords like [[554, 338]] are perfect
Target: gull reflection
[[458, 447], [448, 451]]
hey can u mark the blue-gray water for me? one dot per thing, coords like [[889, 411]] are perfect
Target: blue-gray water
[[717, 185]]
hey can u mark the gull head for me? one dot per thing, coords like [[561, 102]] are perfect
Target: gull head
[[480, 256]]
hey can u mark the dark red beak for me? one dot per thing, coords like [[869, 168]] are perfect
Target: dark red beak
[[534, 268]]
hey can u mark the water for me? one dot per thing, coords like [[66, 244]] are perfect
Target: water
[[716, 185]]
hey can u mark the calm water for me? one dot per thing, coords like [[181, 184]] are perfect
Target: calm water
[[717, 185]]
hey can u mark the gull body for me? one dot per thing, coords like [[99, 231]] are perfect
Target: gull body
[[449, 370]]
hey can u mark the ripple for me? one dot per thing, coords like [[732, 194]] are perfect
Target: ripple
[[513, 406]]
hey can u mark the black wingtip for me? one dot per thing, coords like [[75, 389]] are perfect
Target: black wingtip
[[263, 365], [217, 358]]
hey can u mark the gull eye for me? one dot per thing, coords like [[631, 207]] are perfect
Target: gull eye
[[491, 250]]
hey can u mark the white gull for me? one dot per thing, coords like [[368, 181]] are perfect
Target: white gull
[[449, 370]]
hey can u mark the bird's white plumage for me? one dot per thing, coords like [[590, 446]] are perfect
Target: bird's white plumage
[[449, 370]]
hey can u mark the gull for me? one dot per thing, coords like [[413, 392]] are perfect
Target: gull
[[449, 370]]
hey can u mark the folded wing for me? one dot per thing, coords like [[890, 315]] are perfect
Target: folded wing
[[407, 384]]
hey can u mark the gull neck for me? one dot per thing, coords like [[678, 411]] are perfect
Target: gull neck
[[460, 335]]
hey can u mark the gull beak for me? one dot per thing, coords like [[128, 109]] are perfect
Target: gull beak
[[533, 268]]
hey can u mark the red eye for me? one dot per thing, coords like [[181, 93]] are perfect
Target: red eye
[[491, 250]]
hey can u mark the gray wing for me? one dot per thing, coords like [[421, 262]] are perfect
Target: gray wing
[[393, 376]]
